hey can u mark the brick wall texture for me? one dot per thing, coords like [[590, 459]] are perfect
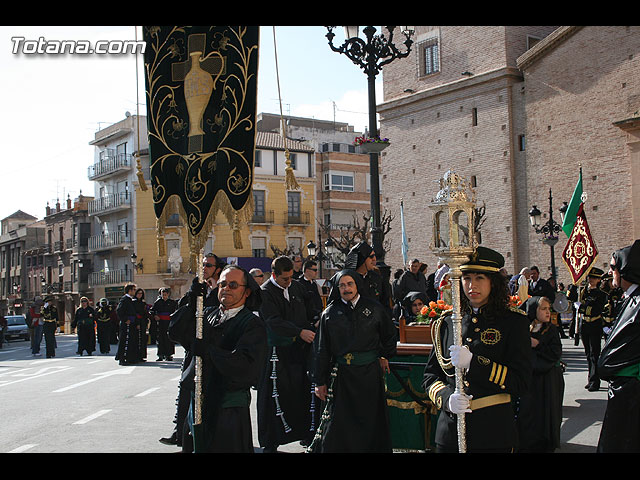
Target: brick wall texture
[[564, 100]]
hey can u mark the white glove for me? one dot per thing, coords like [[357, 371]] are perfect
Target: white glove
[[459, 403], [460, 356]]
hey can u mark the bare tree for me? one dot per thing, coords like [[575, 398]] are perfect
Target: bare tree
[[478, 220], [359, 230], [289, 251]]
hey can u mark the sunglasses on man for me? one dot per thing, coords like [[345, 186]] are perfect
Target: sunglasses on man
[[232, 285]]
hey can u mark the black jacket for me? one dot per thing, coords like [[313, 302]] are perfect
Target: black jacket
[[501, 363]]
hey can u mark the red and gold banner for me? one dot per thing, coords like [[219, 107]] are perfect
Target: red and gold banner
[[581, 252]]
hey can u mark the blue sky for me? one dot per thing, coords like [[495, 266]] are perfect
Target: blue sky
[[52, 105]]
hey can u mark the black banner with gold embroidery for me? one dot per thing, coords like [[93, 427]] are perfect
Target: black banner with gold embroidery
[[201, 86]]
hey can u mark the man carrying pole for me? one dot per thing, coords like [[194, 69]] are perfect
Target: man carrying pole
[[201, 107]]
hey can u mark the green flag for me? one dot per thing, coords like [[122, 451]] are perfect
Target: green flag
[[572, 209]]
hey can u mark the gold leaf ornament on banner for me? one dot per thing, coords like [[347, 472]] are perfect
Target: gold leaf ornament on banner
[[201, 86]]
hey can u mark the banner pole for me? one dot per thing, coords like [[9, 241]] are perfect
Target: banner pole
[[197, 421]]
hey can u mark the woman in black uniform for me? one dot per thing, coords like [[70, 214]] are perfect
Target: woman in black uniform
[[495, 356]]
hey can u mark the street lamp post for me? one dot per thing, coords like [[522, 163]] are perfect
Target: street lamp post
[[371, 55], [550, 229]]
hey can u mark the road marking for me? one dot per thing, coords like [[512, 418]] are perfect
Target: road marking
[[30, 376], [23, 448], [91, 417], [99, 376], [47, 360], [147, 392]]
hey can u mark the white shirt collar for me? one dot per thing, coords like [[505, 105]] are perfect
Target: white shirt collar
[[285, 291], [630, 290], [230, 313], [354, 302]]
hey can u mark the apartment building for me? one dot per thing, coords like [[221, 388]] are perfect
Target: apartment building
[[19, 232], [114, 173], [64, 272]]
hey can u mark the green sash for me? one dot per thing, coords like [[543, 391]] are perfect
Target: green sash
[[358, 358]]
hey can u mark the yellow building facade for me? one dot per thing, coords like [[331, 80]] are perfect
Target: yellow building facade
[[283, 218]]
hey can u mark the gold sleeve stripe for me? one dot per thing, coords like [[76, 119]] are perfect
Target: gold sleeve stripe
[[498, 374], [504, 376], [434, 389]]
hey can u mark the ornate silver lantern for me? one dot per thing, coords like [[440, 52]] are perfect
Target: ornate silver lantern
[[454, 241]]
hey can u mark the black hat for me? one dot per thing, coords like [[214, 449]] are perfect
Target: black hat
[[595, 272], [484, 260], [357, 255], [627, 262]]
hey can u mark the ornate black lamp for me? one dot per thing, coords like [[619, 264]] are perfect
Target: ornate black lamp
[[371, 54]]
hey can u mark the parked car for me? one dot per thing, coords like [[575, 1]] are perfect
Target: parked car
[[16, 327]]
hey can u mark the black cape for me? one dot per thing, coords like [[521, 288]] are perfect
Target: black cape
[[285, 396], [540, 408], [355, 418]]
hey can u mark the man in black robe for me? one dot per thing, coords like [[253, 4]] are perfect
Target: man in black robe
[[619, 362], [161, 311], [128, 352], [285, 395], [234, 350], [181, 327], [355, 339]]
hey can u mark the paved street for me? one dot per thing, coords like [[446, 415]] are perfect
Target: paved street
[[88, 404]]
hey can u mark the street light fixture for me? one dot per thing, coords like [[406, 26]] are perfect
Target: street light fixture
[[371, 55], [311, 248], [134, 262], [549, 230]]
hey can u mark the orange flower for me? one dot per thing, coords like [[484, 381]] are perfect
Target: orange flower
[[424, 310], [433, 304], [432, 313]]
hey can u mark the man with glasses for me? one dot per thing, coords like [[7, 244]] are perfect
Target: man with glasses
[[284, 396], [257, 274], [362, 259], [619, 361], [356, 337], [234, 351]]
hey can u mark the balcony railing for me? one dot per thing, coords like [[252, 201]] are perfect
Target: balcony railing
[[109, 240], [297, 218], [112, 277], [112, 202], [262, 217], [108, 165]]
